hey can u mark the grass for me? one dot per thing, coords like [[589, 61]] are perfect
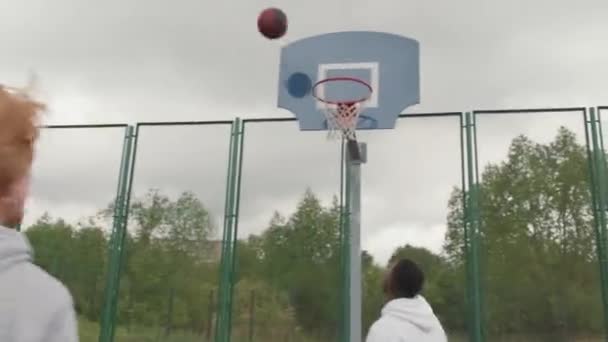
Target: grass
[[89, 332]]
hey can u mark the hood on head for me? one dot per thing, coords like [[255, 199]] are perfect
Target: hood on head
[[14, 248], [415, 311]]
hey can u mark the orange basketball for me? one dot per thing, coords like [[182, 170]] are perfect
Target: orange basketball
[[272, 23]]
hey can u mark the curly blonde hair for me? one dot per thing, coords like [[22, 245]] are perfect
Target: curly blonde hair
[[19, 119]]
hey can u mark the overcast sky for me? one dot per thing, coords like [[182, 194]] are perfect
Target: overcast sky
[[150, 60]]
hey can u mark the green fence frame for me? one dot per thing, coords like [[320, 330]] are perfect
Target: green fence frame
[[117, 238], [122, 205], [229, 245], [470, 192], [598, 176], [46, 127], [596, 157], [343, 223], [110, 300], [598, 188]]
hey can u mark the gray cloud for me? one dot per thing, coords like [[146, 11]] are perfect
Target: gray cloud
[[134, 60]]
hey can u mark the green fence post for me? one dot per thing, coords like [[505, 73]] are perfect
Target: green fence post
[[169, 318], [598, 183], [116, 244], [219, 322], [465, 214], [238, 170], [472, 230], [251, 315], [600, 157], [106, 323], [222, 333], [210, 311], [124, 216]]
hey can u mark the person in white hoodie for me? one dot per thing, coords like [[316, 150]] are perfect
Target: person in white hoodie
[[34, 307], [406, 317]]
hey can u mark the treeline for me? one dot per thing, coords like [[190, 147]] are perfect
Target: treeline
[[540, 277]]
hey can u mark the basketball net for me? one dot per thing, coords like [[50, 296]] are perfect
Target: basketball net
[[342, 119], [342, 116]]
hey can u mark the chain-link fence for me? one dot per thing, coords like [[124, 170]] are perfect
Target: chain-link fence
[[231, 230]]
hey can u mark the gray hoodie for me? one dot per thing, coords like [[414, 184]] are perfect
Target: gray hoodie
[[407, 320], [34, 307]]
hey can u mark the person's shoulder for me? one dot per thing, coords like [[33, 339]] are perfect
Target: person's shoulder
[[35, 296], [380, 330], [40, 286]]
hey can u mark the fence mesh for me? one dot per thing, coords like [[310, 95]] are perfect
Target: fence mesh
[[541, 227], [66, 218], [539, 270], [408, 186], [170, 280], [289, 254]]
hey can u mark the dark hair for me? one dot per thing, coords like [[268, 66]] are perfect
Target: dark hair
[[405, 280]]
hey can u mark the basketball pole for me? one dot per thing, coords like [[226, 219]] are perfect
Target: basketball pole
[[357, 155]]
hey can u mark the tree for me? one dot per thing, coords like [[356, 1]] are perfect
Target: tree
[[263, 311], [301, 256], [51, 239], [538, 262], [170, 266], [89, 249], [428, 262], [75, 255], [536, 237], [373, 296]]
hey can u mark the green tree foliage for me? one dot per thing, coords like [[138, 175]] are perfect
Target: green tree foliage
[[262, 312], [169, 267], [300, 256], [76, 255], [539, 266], [373, 296]]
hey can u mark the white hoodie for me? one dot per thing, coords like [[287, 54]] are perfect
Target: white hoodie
[[34, 307], [407, 320]]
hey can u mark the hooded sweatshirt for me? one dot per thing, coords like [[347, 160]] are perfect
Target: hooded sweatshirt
[[407, 320], [34, 307]]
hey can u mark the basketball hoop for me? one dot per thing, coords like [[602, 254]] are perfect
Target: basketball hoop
[[342, 115]]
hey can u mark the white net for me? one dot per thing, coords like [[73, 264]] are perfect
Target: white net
[[342, 119]]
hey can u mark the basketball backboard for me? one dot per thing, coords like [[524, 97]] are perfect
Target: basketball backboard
[[387, 62]]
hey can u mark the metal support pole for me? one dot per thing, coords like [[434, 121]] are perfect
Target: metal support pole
[[344, 244], [251, 315], [227, 265], [238, 171], [599, 187], [472, 232], [354, 177], [220, 328], [117, 239]]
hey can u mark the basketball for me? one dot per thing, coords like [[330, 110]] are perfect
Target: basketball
[[272, 23]]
